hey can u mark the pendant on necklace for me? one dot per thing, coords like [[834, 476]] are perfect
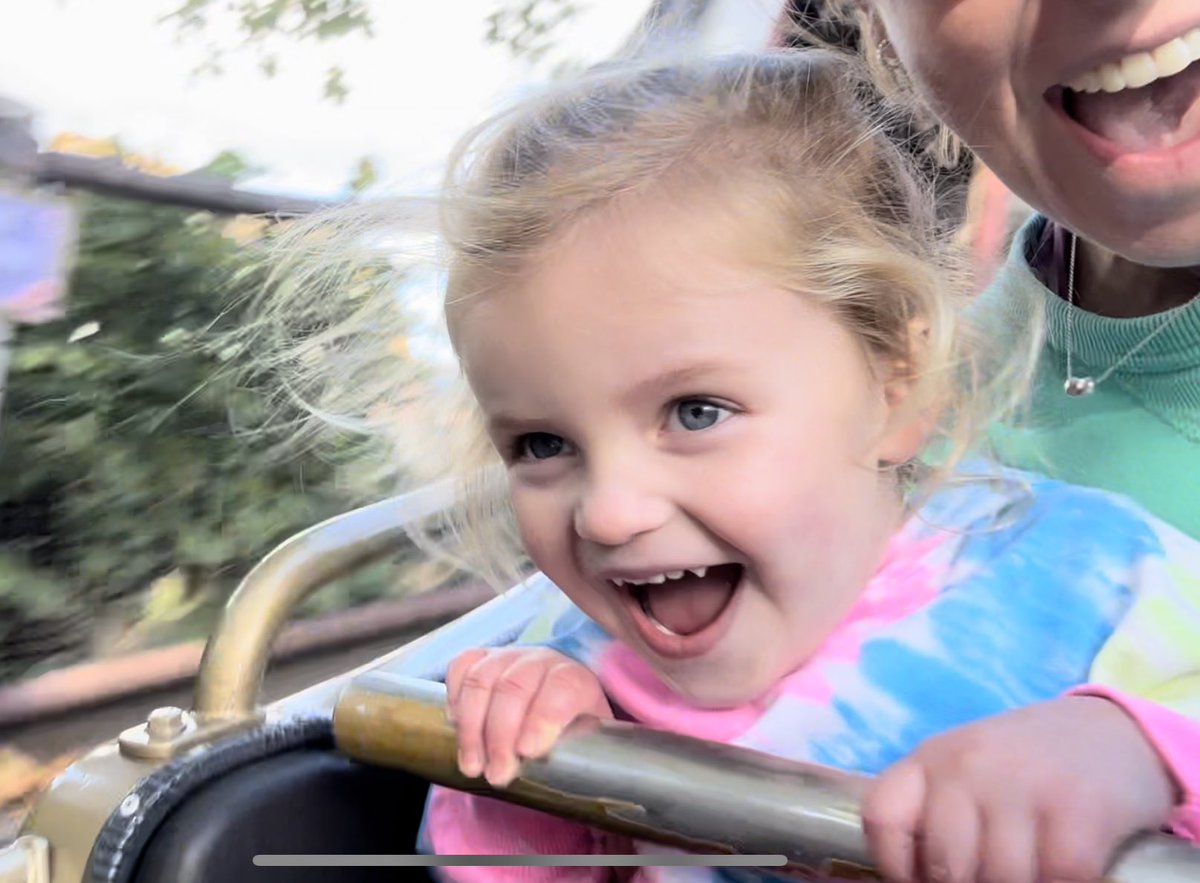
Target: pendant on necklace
[[1079, 386]]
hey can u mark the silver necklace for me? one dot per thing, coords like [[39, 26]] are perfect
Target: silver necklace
[[1082, 386]]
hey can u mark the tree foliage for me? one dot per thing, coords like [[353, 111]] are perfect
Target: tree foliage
[[122, 460], [264, 24], [527, 28]]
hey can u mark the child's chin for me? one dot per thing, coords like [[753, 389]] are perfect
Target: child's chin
[[721, 691]]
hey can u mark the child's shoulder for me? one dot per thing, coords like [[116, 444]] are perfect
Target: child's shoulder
[[994, 507], [562, 626]]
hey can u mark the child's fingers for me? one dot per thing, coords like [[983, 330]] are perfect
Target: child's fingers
[[949, 835], [513, 691], [1008, 848], [455, 673], [471, 706], [489, 697], [1075, 845], [891, 812], [568, 690]]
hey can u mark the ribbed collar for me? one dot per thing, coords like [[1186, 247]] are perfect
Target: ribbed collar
[[1100, 341], [1164, 376]]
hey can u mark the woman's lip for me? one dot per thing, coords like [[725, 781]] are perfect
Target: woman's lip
[[1114, 154], [681, 646]]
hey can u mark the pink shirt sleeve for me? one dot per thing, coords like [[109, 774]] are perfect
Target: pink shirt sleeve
[[1176, 738], [457, 823]]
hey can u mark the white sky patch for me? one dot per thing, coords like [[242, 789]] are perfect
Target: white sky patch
[[109, 68]]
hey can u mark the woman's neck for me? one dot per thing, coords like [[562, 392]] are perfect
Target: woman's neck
[[1110, 285]]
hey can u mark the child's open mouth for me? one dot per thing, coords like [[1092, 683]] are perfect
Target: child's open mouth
[[682, 613], [1145, 102]]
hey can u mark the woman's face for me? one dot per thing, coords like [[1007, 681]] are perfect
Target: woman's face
[[1088, 109]]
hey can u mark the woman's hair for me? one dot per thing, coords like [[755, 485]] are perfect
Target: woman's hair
[[776, 146], [849, 27]]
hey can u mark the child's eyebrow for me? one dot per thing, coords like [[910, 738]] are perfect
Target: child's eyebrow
[[505, 425], [672, 379]]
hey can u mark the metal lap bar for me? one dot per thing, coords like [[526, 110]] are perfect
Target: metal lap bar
[[235, 657], [667, 788]]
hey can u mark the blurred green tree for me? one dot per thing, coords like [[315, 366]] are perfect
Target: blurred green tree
[[122, 459]]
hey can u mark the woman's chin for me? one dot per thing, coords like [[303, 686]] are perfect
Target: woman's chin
[[1146, 237]]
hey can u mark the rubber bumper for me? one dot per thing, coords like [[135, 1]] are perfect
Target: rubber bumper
[[280, 789]]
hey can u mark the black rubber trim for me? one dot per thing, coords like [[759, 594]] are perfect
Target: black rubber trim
[[125, 834]]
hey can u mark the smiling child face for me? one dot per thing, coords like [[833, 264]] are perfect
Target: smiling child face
[[693, 452]]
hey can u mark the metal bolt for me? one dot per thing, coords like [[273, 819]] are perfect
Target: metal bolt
[[130, 805], [164, 724]]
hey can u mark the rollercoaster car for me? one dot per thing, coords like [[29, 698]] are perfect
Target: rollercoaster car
[[330, 784]]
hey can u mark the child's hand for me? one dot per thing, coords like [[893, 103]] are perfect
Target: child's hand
[[514, 703], [1044, 793]]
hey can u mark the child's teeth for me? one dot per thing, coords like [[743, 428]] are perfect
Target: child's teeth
[[1142, 68], [662, 628], [660, 578]]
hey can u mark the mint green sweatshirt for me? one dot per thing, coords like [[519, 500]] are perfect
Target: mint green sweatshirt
[[1139, 433]]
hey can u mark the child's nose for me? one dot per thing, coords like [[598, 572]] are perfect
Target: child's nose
[[613, 511]]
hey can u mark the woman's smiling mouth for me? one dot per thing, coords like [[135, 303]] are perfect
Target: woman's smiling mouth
[[1144, 102], [1140, 69]]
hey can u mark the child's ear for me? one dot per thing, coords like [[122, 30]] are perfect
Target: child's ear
[[912, 406], [908, 428]]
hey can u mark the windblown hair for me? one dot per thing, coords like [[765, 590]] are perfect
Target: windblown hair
[[775, 146], [848, 27]]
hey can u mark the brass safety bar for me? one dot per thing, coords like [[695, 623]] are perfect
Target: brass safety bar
[[235, 658], [25, 860], [669, 788]]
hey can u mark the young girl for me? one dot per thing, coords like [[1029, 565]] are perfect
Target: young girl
[[708, 328]]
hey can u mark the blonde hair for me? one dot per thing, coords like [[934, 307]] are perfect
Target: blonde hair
[[817, 200]]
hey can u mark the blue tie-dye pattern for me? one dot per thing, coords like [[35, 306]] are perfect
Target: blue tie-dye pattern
[[1028, 610], [1036, 580]]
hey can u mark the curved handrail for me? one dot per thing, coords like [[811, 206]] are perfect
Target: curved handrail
[[668, 788], [235, 657]]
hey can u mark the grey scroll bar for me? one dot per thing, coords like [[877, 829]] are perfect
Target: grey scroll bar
[[538, 861]]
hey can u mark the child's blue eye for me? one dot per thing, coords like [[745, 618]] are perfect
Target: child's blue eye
[[697, 414], [540, 445]]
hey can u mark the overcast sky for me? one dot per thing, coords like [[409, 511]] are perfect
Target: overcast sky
[[106, 67]]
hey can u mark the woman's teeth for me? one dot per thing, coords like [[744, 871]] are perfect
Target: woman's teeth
[[1142, 68], [660, 578]]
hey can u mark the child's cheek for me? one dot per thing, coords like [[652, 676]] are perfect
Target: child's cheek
[[536, 526]]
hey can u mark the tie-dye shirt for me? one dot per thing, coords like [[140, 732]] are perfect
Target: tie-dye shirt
[[995, 595]]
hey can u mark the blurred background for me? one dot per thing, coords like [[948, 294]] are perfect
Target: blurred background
[[149, 150]]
